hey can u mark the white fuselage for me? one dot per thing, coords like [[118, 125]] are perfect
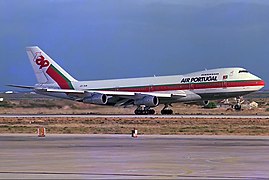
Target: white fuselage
[[145, 84], [203, 85]]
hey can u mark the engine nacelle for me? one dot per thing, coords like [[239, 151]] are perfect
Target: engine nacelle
[[96, 98], [150, 101]]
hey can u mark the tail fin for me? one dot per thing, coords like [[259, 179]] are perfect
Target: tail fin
[[48, 71]]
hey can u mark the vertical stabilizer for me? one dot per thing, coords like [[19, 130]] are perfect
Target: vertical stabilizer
[[48, 71]]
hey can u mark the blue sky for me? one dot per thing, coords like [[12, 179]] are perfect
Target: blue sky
[[94, 39]]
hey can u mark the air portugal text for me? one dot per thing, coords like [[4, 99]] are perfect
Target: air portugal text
[[200, 79]]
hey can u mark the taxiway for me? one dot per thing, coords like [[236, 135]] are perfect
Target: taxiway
[[123, 157]]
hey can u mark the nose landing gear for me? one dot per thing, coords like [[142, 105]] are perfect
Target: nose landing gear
[[237, 106]]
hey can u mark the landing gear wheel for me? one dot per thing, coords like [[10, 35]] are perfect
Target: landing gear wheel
[[239, 101], [167, 111], [144, 111], [151, 111], [141, 112], [137, 112], [237, 107]]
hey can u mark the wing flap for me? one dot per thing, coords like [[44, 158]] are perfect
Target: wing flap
[[64, 91]]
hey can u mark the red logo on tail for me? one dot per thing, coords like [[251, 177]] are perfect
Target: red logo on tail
[[42, 62]]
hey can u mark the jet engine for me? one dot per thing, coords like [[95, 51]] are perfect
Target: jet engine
[[96, 98], [150, 101]]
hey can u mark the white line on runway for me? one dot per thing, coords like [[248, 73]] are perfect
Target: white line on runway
[[132, 116]]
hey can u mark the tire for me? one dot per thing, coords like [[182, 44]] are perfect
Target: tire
[[151, 111], [167, 111], [170, 111], [237, 107], [137, 112]]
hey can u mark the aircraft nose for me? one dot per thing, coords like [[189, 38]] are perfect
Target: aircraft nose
[[262, 83]]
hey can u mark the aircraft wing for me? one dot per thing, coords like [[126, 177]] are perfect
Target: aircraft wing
[[120, 98], [131, 95]]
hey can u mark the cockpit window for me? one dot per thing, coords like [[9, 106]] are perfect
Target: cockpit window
[[243, 71]]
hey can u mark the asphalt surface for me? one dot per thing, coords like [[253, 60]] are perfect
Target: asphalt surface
[[134, 116], [123, 157]]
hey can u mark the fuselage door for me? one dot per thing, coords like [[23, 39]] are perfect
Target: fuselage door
[[151, 88], [191, 86], [224, 82]]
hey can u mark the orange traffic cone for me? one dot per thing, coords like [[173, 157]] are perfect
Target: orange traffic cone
[[41, 132]]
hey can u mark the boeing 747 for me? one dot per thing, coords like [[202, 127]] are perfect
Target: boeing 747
[[146, 92]]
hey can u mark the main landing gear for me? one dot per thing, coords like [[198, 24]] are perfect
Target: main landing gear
[[147, 111], [144, 111], [166, 110]]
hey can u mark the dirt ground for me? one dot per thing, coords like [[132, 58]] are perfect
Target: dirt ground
[[186, 126], [59, 106]]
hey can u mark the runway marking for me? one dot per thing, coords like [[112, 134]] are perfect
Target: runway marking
[[133, 116]]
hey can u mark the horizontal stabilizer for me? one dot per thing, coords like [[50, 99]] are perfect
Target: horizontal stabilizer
[[21, 86]]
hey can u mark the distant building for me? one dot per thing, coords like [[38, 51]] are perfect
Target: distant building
[[9, 92]]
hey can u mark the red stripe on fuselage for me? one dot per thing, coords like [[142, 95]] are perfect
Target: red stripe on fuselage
[[58, 78], [194, 86]]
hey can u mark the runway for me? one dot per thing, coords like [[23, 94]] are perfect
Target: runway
[[132, 116], [122, 157]]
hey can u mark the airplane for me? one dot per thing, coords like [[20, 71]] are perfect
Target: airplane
[[145, 92]]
